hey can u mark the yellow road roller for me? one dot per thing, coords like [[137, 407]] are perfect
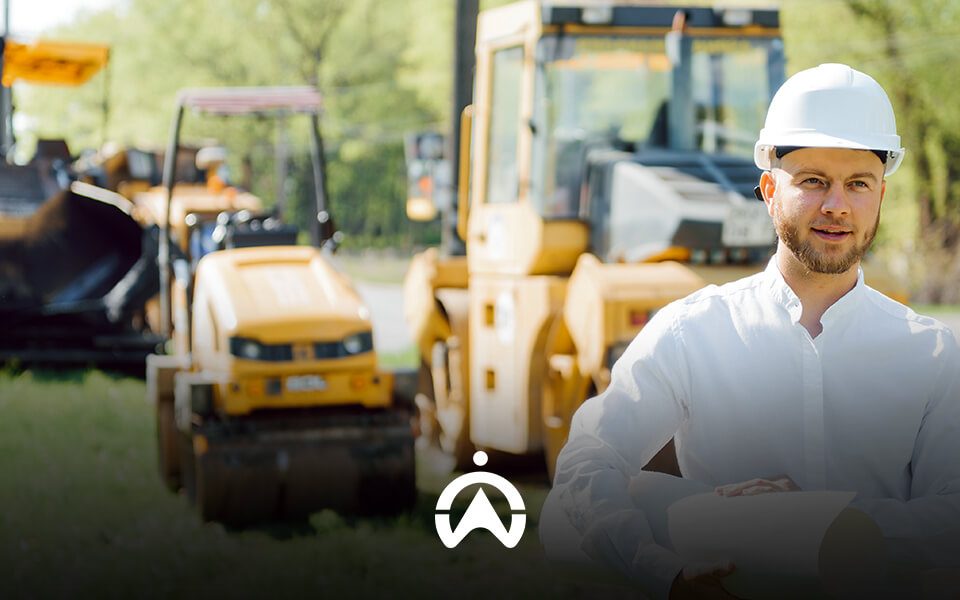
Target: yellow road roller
[[271, 405]]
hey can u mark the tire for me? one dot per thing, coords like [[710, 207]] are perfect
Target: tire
[[557, 428], [389, 491], [406, 490], [453, 418], [168, 446], [188, 479], [210, 490], [553, 442]]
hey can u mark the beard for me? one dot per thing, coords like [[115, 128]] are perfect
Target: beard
[[814, 260]]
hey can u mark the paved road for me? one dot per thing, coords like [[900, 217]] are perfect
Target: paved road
[[385, 301]]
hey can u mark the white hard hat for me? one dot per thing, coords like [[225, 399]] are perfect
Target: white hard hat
[[830, 106]]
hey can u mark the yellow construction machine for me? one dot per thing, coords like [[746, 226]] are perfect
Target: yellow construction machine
[[76, 266], [605, 169], [271, 404]]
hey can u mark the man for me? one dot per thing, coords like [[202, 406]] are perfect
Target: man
[[800, 377]]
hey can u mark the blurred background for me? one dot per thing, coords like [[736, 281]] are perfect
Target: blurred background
[[81, 445], [384, 70]]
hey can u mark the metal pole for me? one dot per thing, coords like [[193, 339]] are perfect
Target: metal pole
[[281, 159], [106, 101], [3, 102], [464, 61], [681, 115], [163, 260], [321, 226], [6, 94]]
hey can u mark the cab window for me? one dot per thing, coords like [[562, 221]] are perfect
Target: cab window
[[503, 180]]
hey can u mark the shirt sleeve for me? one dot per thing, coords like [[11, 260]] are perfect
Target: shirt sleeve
[[925, 530], [612, 437]]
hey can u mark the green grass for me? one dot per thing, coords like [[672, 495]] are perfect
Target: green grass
[[84, 514], [409, 358]]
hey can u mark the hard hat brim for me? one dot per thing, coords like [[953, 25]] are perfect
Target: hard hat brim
[[763, 150]]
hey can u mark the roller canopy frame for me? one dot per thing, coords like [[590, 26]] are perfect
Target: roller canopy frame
[[275, 101]]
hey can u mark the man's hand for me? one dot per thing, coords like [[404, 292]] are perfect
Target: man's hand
[[778, 483], [702, 581]]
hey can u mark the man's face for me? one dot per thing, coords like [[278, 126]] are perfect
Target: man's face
[[825, 205]]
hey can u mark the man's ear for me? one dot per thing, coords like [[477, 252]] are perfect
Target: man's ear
[[883, 190], [768, 186]]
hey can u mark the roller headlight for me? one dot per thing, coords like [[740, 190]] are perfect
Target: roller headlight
[[358, 343], [245, 348], [250, 349]]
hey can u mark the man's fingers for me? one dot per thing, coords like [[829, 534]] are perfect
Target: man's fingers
[[764, 488], [703, 580], [738, 489], [787, 484], [735, 489], [780, 483], [708, 569], [724, 570]]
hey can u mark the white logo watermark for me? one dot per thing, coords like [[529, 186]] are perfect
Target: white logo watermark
[[480, 513]]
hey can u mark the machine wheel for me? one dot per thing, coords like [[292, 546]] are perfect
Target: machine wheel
[[188, 479], [553, 441], [406, 487], [391, 487], [428, 429], [556, 426], [452, 413], [167, 445], [564, 389], [210, 490]]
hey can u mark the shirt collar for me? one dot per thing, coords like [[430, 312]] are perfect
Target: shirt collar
[[784, 295], [845, 305]]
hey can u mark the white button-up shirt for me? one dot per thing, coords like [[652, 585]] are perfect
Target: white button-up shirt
[[871, 405]]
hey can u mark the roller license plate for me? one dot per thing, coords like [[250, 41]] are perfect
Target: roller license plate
[[748, 225], [306, 383]]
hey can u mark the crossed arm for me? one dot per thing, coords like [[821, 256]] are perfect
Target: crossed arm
[[612, 437], [616, 434]]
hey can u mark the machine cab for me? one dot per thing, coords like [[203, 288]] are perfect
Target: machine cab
[[558, 86]]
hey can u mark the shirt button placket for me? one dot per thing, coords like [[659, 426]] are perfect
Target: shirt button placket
[[813, 433]]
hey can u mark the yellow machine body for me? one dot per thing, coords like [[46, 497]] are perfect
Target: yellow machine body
[[53, 62], [291, 302], [516, 335], [271, 404], [191, 199]]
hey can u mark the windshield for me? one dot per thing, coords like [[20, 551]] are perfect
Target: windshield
[[595, 92]]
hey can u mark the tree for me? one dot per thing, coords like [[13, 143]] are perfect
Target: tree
[[356, 52], [915, 56], [908, 48]]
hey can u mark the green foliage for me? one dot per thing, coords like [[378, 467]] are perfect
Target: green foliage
[[357, 53], [384, 70], [908, 48]]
